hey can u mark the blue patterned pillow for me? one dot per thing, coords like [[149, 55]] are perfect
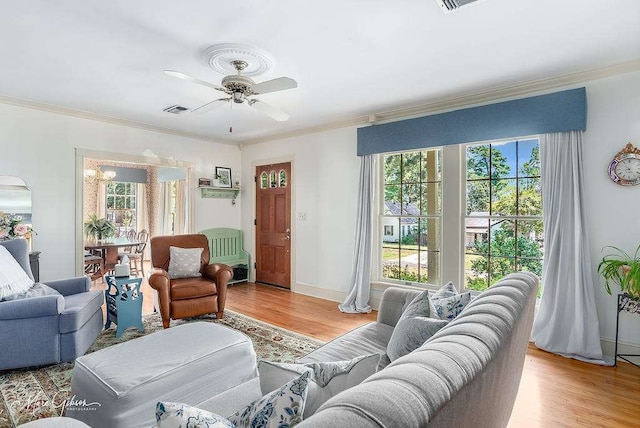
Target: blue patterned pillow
[[282, 408], [178, 415], [449, 307]]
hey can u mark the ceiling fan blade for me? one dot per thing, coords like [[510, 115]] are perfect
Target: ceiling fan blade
[[279, 84], [271, 111], [210, 106], [183, 76]]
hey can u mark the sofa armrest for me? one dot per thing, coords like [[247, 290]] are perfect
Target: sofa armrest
[[221, 274], [159, 281], [70, 286], [394, 300], [32, 307]]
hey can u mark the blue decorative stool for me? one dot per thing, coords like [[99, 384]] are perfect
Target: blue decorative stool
[[124, 303]]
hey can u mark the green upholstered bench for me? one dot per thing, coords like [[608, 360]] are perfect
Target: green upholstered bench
[[225, 246]]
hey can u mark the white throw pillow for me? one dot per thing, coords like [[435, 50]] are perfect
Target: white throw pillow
[[411, 333], [446, 290], [327, 378], [13, 279], [283, 407], [184, 262], [178, 415]]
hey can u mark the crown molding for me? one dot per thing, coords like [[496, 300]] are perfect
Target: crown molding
[[107, 119], [498, 93]]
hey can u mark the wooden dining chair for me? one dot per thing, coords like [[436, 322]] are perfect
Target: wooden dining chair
[[136, 256], [94, 267]]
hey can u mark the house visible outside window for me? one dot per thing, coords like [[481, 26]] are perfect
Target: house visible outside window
[[121, 205], [503, 219], [412, 206]]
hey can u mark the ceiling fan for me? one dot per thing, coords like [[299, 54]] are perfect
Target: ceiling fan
[[240, 88]]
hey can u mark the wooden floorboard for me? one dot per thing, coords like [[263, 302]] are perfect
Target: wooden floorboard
[[554, 391]]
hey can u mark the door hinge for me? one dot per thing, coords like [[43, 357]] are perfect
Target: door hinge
[[255, 265], [255, 178], [255, 221]]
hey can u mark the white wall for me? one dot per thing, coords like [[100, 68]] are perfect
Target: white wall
[[325, 172], [38, 146], [613, 212]]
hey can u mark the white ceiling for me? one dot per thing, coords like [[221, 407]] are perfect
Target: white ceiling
[[351, 58]]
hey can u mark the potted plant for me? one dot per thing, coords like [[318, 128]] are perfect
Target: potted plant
[[621, 268], [99, 228]]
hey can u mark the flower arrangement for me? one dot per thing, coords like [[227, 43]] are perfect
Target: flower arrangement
[[12, 226]]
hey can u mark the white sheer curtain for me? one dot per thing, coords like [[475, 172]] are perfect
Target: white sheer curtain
[[180, 224], [166, 213], [142, 214], [357, 300], [567, 321], [101, 203]]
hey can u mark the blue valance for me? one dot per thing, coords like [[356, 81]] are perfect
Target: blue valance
[[542, 114], [127, 175]]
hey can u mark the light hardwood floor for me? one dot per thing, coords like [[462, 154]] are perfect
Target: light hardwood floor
[[554, 391]]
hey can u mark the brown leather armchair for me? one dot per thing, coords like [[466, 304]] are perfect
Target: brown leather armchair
[[187, 297]]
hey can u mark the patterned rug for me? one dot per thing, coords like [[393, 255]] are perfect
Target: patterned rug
[[27, 394]]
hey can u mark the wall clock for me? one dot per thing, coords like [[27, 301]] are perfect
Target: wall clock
[[624, 169]]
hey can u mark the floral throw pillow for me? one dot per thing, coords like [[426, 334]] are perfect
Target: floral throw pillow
[[178, 415], [282, 408], [327, 378], [449, 307], [184, 262]]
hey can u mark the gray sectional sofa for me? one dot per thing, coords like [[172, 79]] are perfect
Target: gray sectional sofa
[[467, 374]]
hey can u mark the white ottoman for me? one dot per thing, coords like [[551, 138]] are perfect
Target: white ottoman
[[119, 386]]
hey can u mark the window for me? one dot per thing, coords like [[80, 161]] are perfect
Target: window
[[491, 223], [412, 206], [121, 205], [503, 221]]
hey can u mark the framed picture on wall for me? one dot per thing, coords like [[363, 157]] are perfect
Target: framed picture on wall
[[223, 177], [202, 182]]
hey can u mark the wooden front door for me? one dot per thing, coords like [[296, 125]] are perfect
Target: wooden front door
[[273, 224]]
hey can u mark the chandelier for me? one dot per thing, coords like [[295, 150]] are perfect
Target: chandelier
[[99, 175]]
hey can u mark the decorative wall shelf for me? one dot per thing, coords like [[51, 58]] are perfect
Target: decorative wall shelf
[[220, 192]]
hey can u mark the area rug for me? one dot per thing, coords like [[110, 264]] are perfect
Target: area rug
[[29, 394]]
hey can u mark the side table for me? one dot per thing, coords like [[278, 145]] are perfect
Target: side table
[[124, 303], [629, 304]]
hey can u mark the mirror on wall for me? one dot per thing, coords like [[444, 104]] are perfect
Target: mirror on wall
[[15, 197]]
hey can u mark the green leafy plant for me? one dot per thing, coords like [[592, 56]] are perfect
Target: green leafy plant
[[623, 269], [99, 228]]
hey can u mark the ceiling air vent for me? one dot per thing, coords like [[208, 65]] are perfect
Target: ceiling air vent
[[451, 5], [175, 109]]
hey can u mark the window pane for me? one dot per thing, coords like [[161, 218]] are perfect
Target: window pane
[[110, 202], [411, 199], [503, 197], [283, 178], [411, 167], [503, 242], [503, 160], [476, 235], [478, 161], [500, 267], [392, 169], [264, 180], [528, 158], [431, 197], [478, 197], [476, 271], [529, 197], [120, 189], [431, 166]]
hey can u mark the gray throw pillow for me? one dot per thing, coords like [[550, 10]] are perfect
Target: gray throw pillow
[[411, 333], [447, 290], [419, 307], [184, 262]]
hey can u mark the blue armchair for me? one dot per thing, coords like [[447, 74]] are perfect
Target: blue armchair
[[48, 329]]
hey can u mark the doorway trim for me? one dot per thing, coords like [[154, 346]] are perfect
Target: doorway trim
[[81, 154], [254, 212]]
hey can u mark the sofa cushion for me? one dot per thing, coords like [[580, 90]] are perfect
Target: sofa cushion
[[419, 306], [449, 307], [184, 262], [191, 288], [411, 333], [78, 309], [179, 415], [280, 408], [327, 378], [38, 290], [367, 339], [13, 279]]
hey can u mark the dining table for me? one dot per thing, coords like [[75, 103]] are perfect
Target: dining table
[[108, 249]]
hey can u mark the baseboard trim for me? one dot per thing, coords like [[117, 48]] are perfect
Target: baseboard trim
[[321, 293], [609, 345]]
